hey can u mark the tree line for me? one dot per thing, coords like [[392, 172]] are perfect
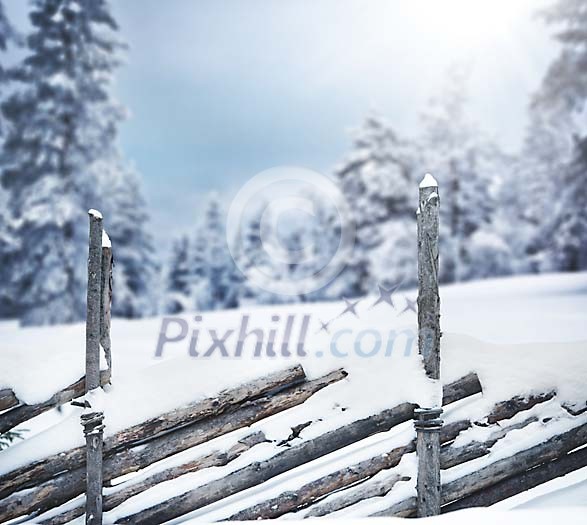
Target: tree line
[[503, 213]]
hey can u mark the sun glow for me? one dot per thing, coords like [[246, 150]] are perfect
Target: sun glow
[[471, 23]]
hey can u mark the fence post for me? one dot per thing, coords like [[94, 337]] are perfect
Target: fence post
[[92, 418], [427, 420], [106, 299]]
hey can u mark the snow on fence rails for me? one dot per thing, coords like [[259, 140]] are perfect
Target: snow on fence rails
[[23, 412], [468, 489], [354, 477], [213, 413], [491, 446], [289, 458], [61, 475], [210, 418], [58, 478]]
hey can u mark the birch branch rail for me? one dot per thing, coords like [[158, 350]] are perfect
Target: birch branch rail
[[8, 399], [360, 472], [43, 470], [62, 488], [259, 472], [322, 487], [518, 466], [217, 458], [522, 482]]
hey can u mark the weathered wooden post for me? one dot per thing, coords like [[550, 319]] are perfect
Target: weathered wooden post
[[93, 417], [427, 420], [106, 298]]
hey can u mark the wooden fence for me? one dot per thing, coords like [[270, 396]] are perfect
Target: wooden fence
[[53, 481]]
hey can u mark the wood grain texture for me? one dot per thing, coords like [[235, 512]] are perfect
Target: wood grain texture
[[517, 468], [43, 470], [217, 458], [65, 486], [259, 472]]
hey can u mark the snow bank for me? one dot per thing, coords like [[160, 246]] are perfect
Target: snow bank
[[509, 370], [37, 362], [569, 516]]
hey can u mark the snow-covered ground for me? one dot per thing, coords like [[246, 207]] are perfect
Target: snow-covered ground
[[521, 335]]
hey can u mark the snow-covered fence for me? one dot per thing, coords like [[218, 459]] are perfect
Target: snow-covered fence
[[99, 296], [13, 412], [57, 480], [48, 483], [17, 412], [476, 467], [93, 417]]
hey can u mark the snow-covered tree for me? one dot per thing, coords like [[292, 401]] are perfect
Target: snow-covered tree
[[526, 203], [321, 236], [6, 30], [178, 278], [61, 120], [214, 277], [135, 269], [395, 260], [249, 252], [566, 234], [565, 83], [378, 181], [552, 159], [7, 35], [8, 241], [555, 121], [8, 259]]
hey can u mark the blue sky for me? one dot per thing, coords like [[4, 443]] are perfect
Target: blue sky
[[220, 90]]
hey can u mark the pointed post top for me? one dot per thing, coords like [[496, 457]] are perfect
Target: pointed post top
[[428, 182]]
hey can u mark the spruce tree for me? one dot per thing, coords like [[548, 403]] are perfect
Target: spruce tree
[[8, 261], [177, 292], [565, 83], [377, 179], [251, 255], [61, 120], [136, 270], [554, 158], [215, 276], [8, 241], [567, 233], [7, 36]]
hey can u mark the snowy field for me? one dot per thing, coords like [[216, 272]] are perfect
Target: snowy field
[[521, 335]]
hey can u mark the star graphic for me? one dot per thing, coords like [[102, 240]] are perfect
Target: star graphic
[[385, 295], [350, 307], [410, 305], [324, 326]]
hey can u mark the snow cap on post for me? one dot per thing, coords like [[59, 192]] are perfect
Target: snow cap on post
[[428, 181], [95, 213], [106, 240]]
